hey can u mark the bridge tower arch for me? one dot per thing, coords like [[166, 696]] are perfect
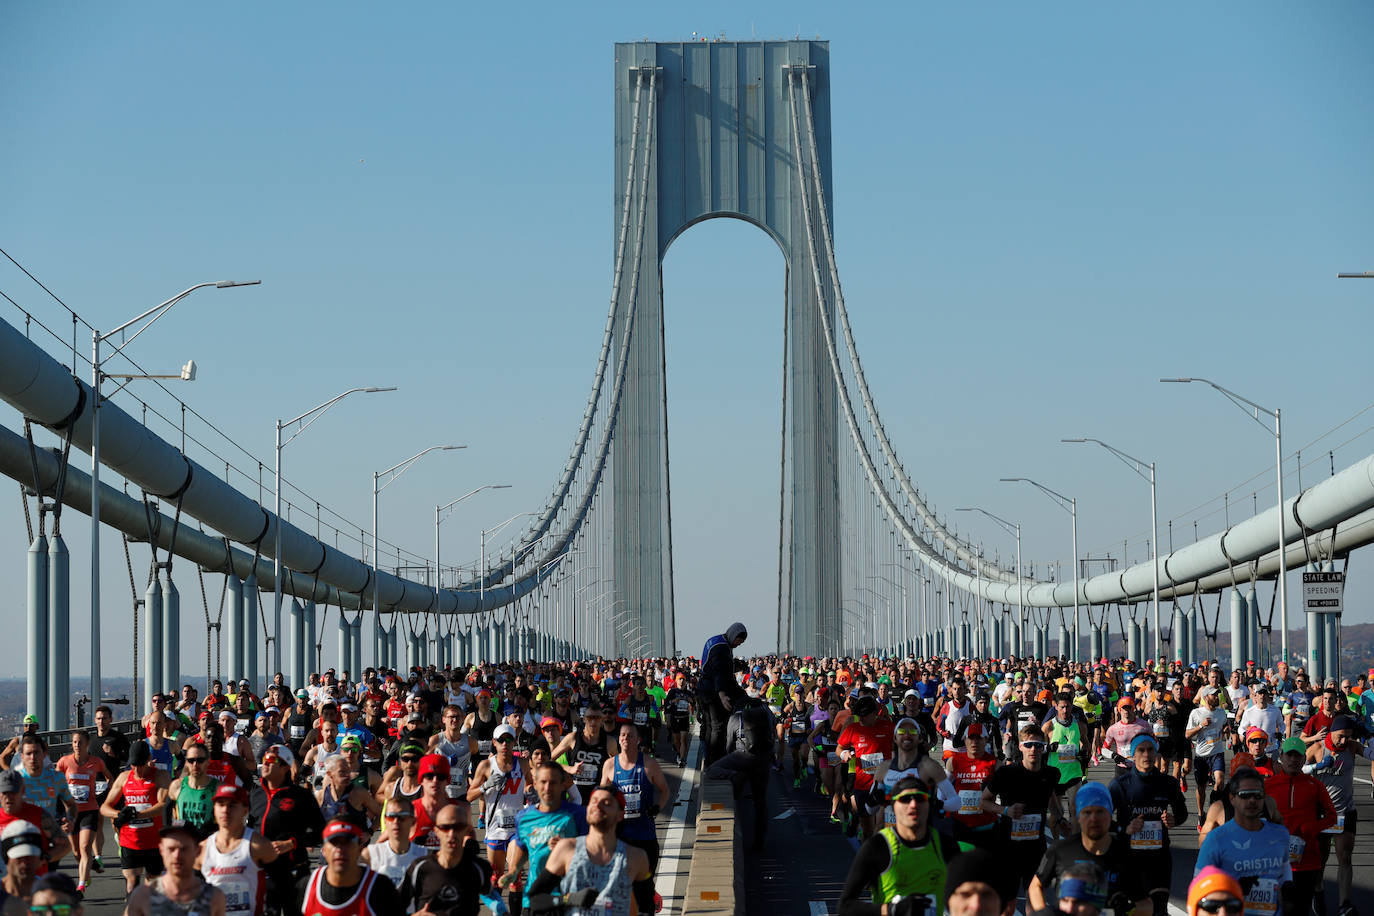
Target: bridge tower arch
[[722, 146]]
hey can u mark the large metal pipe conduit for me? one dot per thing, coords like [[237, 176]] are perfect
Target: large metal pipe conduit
[[125, 513], [44, 391], [1343, 501]]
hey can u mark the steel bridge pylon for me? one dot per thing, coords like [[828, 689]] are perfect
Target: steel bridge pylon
[[722, 146]]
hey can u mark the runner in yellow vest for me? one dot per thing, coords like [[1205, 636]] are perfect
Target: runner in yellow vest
[[902, 866], [1065, 736]]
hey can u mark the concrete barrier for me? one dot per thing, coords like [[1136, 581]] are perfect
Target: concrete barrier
[[715, 882]]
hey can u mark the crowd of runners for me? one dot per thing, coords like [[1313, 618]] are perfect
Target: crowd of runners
[[536, 786]]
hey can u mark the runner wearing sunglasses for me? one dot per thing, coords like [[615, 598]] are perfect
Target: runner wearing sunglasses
[[1252, 850], [1215, 893], [1024, 797]]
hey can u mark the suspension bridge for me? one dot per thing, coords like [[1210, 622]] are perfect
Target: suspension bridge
[[702, 130]]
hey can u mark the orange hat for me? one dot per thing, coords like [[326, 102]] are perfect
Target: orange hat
[[1211, 880], [1043, 695], [1124, 701]]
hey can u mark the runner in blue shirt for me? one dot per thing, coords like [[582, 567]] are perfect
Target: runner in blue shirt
[[1252, 849], [539, 827]]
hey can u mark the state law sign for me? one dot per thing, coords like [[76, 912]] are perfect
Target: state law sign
[[1322, 592]]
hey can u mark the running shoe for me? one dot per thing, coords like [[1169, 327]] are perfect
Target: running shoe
[[1347, 909], [835, 819], [796, 783], [98, 865]]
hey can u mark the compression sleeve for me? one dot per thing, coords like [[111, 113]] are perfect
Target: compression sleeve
[[644, 894], [547, 882], [870, 861]]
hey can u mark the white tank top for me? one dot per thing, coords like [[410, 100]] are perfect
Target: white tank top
[[504, 802], [394, 864], [235, 873]]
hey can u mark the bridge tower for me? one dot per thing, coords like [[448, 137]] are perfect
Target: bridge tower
[[722, 146]]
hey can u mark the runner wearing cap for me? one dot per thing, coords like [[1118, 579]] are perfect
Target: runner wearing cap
[[21, 848], [500, 784], [904, 865], [978, 884], [434, 782], [1095, 843], [1306, 808], [1214, 892], [343, 886], [288, 816], [1017, 715], [136, 802], [864, 746], [83, 773], [232, 858], [457, 747], [15, 809], [178, 889], [1121, 733], [1254, 851], [403, 779], [1147, 804], [1265, 716]]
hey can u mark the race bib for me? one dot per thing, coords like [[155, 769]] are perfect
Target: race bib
[[1068, 752], [890, 816], [641, 718], [631, 800], [775, 710], [297, 732], [970, 802], [1339, 826], [137, 822], [798, 728], [586, 771], [505, 820], [101, 786], [81, 791], [832, 759], [484, 748], [1303, 711], [1026, 827], [869, 763], [1296, 846], [930, 702], [1161, 730], [682, 706], [1151, 836], [1263, 898]]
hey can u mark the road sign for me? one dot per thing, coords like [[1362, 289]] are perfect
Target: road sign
[[1322, 592]]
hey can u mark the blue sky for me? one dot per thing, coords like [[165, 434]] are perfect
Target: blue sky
[[1039, 211]]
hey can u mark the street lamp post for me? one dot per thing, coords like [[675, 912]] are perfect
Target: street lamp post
[[1010, 528], [314, 414], [393, 473], [97, 338], [1070, 506], [1254, 410], [1139, 467], [437, 519], [482, 573]]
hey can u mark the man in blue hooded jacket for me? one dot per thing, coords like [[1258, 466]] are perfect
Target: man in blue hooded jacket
[[717, 689]]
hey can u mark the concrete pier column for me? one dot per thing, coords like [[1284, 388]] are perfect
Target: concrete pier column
[[36, 566], [59, 612]]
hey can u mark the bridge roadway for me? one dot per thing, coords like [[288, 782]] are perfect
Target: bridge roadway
[[802, 868]]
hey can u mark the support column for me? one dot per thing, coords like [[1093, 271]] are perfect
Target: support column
[[59, 635], [1238, 630], [345, 661], [393, 640], [295, 652], [37, 568], [233, 628], [355, 645], [171, 632], [152, 642], [312, 661], [251, 649]]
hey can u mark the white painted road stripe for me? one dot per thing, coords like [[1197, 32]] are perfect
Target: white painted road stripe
[[673, 866], [818, 908]]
